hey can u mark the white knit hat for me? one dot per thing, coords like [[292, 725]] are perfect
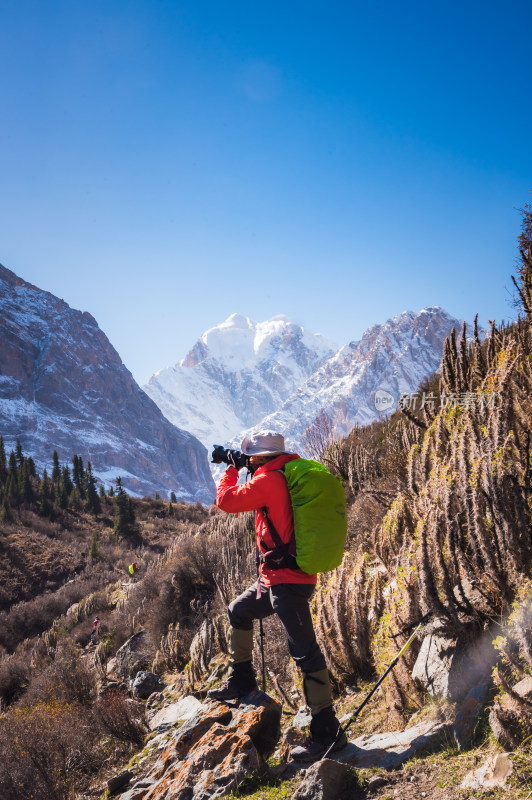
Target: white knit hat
[[263, 443]]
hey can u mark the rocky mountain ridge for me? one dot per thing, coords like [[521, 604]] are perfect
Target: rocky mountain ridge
[[365, 379], [228, 385], [63, 386]]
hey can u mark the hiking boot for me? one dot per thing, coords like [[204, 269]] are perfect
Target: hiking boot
[[241, 681], [324, 729]]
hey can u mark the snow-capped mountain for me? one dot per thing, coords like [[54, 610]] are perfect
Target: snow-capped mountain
[[64, 387], [394, 358], [243, 376], [237, 374]]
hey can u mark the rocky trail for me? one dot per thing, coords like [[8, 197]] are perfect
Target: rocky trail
[[197, 749]]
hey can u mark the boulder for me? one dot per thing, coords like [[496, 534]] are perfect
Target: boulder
[[302, 718], [133, 656], [211, 753], [146, 683], [111, 665], [259, 717], [324, 780], [390, 750], [506, 717], [216, 764], [73, 610], [118, 781], [170, 715], [138, 791], [449, 668], [491, 775], [375, 782], [206, 757], [110, 687]]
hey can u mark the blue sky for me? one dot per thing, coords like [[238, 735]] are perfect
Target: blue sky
[[165, 164]]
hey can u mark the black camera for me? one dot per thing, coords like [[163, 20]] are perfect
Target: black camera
[[222, 455]]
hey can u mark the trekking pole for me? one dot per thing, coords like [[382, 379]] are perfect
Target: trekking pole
[[355, 714], [261, 628]]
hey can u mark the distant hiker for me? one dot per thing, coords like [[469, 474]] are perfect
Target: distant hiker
[[133, 568], [95, 628], [282, 590]]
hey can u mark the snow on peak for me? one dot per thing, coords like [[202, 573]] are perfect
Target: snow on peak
[[237, 321], [247, 369], [239, 343]]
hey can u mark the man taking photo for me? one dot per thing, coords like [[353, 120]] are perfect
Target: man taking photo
[[281, 588]]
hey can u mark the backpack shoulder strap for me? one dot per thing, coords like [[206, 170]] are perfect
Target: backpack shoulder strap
[[273, 531], [290, 560]]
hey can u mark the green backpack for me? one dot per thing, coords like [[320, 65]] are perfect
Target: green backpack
[[320, 522]]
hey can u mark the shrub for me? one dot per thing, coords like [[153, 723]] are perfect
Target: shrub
[[116, 716], [68, 679], [14, 677], [44, 748]]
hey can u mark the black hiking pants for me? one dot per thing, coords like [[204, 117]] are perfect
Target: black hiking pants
[[290, 602]]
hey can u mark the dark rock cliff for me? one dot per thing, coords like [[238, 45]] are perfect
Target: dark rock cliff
[[64, 387]]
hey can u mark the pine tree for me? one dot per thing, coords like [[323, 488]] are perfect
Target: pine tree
[[95, 552], [170, 511], [3, 463], [78, 476], [93, 504], [74, 501], [66, 480], [56, 469], [6, 515], [125, 525], [45, 506], [173, 498], [19, 454], [101, 492], [12, 491], [62, 496], [75, 469], [111, 491], [13, 469], [121, 525], [157, 496], [31, 467], [26, 489]]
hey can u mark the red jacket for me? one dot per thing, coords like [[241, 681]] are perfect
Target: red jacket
[[267, 488]]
